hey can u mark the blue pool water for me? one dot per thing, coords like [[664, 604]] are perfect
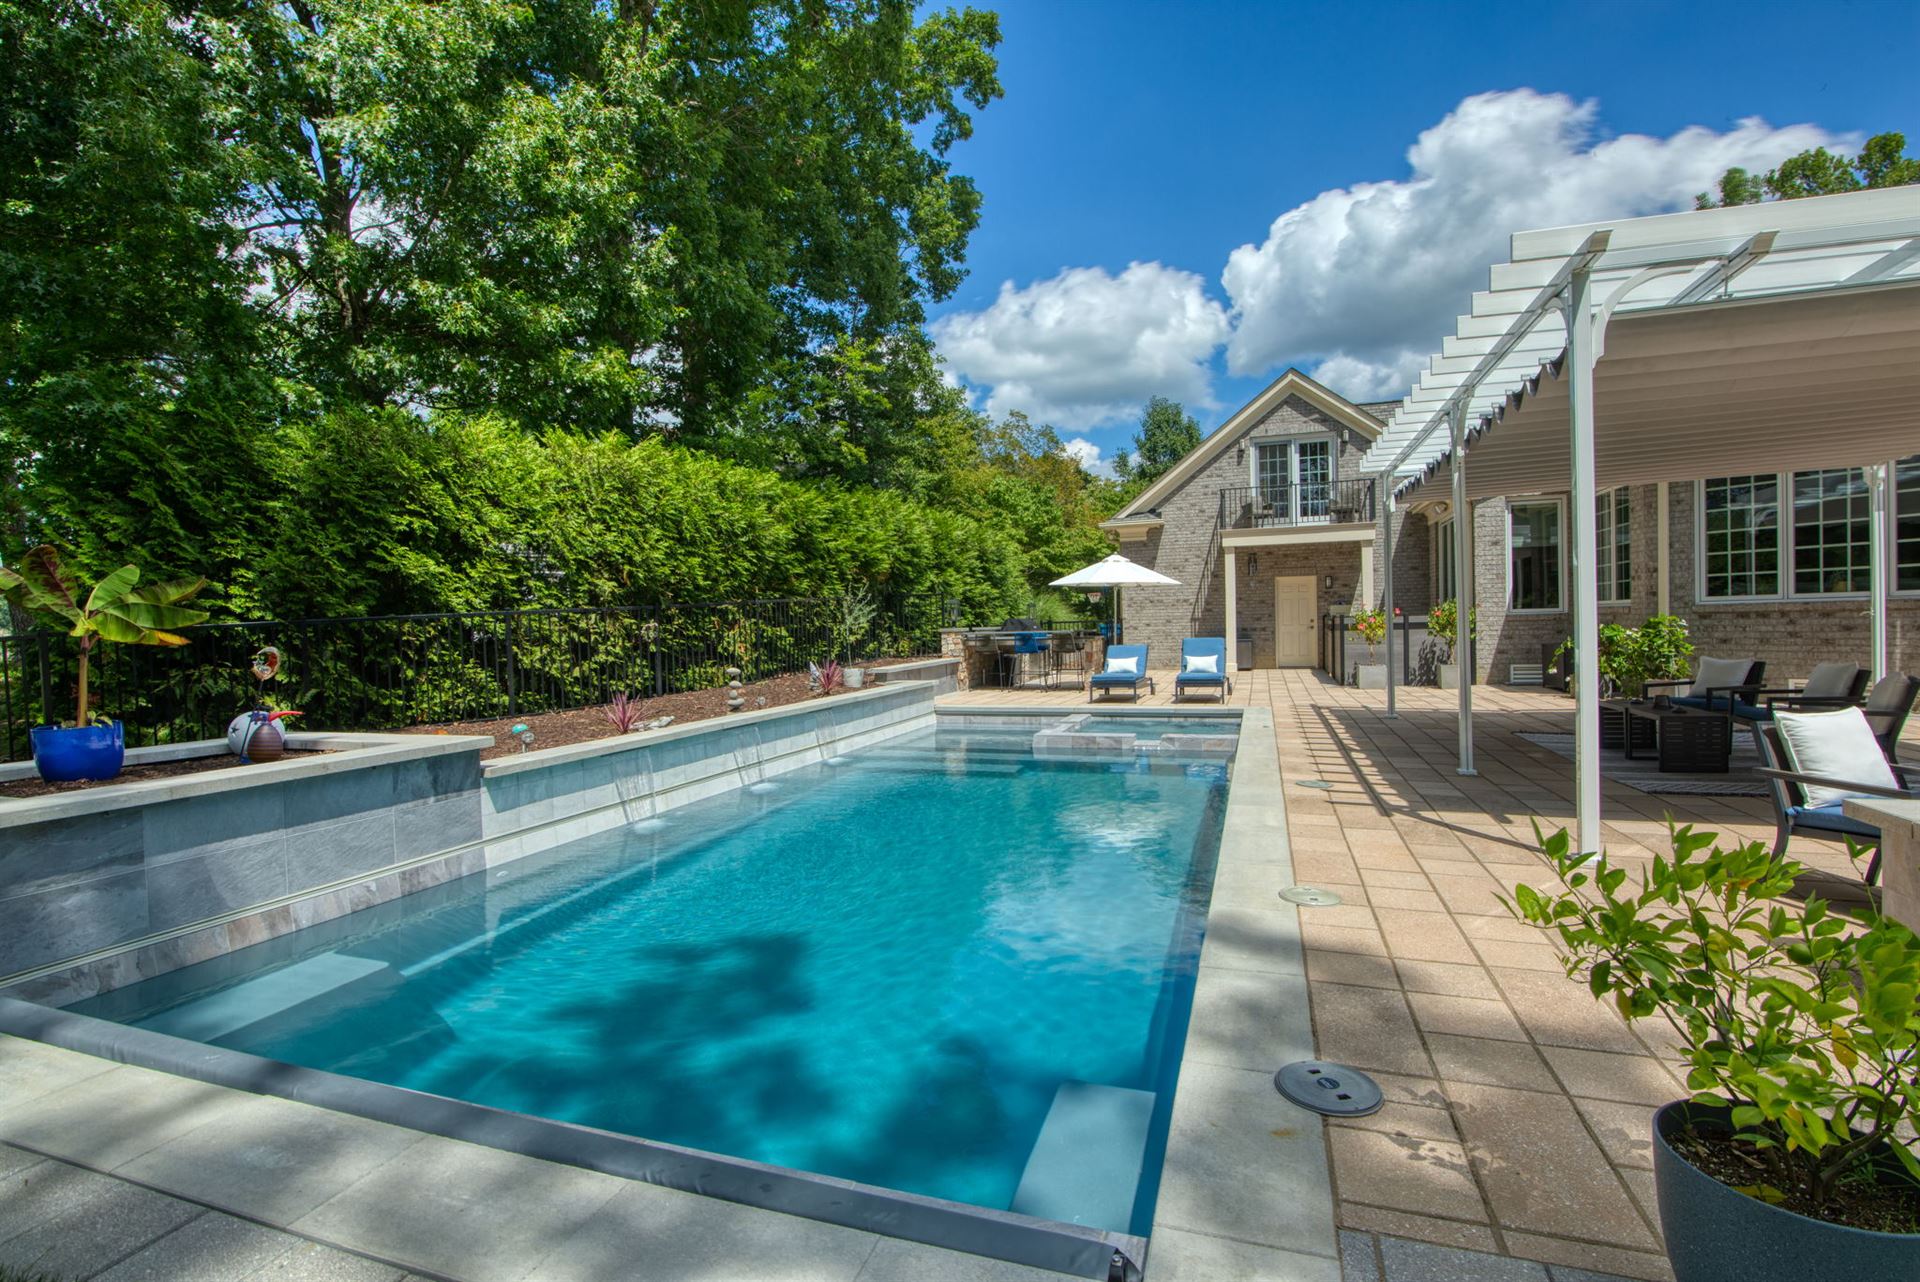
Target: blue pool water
[[884, 970]]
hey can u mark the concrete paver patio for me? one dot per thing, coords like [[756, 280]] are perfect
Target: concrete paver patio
[[1518, 1108]]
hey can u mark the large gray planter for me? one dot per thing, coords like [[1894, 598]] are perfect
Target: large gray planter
[[1449, 676], [1717, 1234], [1370, 676]]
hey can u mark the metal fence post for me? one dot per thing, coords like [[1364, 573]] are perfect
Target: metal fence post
[[513, 673]]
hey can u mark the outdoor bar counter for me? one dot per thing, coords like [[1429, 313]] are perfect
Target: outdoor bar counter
[[1012, 655]]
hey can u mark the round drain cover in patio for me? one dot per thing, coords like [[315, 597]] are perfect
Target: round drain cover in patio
[[1337, 1090], [1310, 896], [1322, 784]]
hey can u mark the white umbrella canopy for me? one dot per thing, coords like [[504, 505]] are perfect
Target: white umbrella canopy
[[1115, 572]]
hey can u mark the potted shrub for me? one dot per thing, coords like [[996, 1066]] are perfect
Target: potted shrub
[[1795, 1155], [116, 610], [1443, 623], [855, 616], [1631, 657], [1371, 625]]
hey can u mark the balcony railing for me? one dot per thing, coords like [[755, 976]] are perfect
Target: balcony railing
[[1250, 507]]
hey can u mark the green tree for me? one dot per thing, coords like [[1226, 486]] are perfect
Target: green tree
[[1883, 162], [1167, 434]]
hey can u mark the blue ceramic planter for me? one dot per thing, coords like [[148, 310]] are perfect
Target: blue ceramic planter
[[85, 752], [1717, 1234]]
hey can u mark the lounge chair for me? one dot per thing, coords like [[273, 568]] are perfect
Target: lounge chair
[[1888, 705], [1815, 762], [1126, 668], [1828, 686], [1715, 683], [1203, 666]]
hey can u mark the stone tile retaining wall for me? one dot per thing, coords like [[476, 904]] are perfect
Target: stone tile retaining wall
[[116, 885]]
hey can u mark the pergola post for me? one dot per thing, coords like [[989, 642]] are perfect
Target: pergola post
[[1233, 616], [1585, 585], [1879, 485], [1463, 656], [1386, 516]]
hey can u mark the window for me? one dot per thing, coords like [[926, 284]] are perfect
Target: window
[[1296, 477], [1273, 472], [1316, 476], [1906, 525], [1534, 555], [1446, 587], [1613, 512], [1740, 523], [1832, 544]]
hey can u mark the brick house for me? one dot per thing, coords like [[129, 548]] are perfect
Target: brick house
[[1271, 528], [1268, 525]]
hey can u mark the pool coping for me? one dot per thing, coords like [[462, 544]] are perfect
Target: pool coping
[[1188, 1239], [342, 752]]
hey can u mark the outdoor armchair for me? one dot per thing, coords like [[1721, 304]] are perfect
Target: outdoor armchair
[[1828, 686], [1888, 705], [1126, 668], [1715, 683], [1844, 762], [1203, 666]]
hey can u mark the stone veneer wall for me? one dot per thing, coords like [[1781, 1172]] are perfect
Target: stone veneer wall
[[90, 881], [1791, 635]]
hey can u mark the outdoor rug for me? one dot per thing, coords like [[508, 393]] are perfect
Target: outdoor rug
[[1644, 774]]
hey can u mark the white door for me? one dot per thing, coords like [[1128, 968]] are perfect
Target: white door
[[1296, 620]]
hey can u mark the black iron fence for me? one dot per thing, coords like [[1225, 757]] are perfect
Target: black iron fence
[[1249, 507], [422, 669]]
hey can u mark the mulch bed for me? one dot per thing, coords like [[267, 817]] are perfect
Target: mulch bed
[[581, 725], [1892, 1207], [37, 787]]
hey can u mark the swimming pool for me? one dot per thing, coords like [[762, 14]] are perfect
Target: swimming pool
[[927, 967]]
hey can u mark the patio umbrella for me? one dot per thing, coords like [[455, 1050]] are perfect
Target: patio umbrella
[[1115, 572]]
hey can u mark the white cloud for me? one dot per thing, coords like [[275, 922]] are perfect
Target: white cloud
[[1365, 280], [1087, 455], [1086, 347]]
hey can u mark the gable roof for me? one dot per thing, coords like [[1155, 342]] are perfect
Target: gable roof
[[1291, 383]]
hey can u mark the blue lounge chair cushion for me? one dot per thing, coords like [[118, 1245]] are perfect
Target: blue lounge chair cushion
[[1751, 712], [1202, 679], [1117, 678], [1828, 818]]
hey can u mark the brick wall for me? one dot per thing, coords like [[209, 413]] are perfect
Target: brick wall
[[1791, 635]]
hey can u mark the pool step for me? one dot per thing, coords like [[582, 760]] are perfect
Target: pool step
[[1085, 1167], [245, 1004]]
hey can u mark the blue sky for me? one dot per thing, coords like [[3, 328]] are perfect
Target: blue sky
[[1135, 170]]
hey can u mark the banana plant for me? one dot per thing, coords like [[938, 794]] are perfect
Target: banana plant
[[116, 610]]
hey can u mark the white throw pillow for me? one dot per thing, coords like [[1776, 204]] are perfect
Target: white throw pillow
[[1834, 745], [1209, 664], [1718, 674], [1127, 667]]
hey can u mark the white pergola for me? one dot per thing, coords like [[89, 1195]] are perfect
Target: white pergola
[[1769, 337]]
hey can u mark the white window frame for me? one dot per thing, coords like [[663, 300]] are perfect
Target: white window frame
[[1292, 446], [1784, 481], [1535, 500], [1603, 538]]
